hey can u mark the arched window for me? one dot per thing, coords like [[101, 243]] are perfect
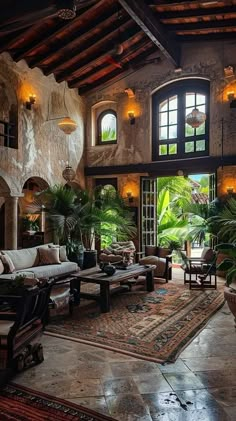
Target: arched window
[[107, 127], [172, 137]]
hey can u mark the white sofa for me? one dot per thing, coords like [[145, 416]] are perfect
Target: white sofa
[[26, 260]]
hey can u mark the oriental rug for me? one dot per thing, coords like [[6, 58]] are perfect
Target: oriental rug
[[18, 403], [154, 326]]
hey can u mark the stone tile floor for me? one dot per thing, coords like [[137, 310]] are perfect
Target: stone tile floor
[[200, 385]]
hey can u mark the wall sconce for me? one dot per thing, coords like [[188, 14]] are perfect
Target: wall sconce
[[30, 102], [130, 92], [130, 196], [230, 190], [229, 71], [131, 117]]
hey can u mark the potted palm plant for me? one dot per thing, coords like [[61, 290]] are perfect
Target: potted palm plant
[[102, 213]]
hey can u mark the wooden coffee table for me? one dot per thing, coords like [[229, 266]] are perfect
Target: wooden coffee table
[[96, 276]]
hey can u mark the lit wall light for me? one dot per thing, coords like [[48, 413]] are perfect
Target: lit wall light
[[230, 190], [131, 117], [130, 196], [30, 102]]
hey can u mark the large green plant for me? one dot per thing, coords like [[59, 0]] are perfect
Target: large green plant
[[103, 213], [228, 265], [173, 194], [224, 224], [62, 209]]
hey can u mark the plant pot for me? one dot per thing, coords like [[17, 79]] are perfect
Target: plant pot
[[90, 259], [77, 257], [231, 300]]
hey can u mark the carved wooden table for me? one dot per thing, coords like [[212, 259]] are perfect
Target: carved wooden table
[[96, 276]]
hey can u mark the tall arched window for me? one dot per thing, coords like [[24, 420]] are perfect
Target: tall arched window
[[172, 137], [107, 127]]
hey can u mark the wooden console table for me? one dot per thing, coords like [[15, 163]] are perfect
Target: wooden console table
[[96, 276]]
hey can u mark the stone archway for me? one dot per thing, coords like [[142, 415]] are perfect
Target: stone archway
[[31, 186]]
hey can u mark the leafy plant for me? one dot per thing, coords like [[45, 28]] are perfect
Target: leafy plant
[[224, 224], [229, 263]]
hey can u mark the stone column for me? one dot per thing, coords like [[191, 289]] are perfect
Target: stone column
[[11, 222]]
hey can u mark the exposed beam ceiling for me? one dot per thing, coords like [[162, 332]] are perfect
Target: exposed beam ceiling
[[109, 39]]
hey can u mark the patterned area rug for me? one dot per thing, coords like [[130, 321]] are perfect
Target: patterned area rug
[[155, 326], [19, 403]]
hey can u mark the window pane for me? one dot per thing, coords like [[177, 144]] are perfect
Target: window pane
[[172, 132], [108, 127], [189, 131], [163, 150], [173, 117], [201, 129], [200, 145], [202, 108], [163, 118], [201, 99], [190, 100], [189, 147], [173, 103], [163, 106], [173, 149], [163, 133]]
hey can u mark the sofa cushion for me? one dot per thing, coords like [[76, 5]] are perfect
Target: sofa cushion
[[49, 256], [24, 258], [47, 271], [160, 263], [1, 266], [7, 263], [62, 252]]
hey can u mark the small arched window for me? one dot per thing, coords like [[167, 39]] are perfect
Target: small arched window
[[107, 127], [173, 138]]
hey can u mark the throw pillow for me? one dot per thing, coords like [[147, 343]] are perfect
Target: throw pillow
[[7, 263], [62, 252], [48, 256], [1, 266]]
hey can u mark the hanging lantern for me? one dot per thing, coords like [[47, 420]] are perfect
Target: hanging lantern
[[66, 9], [196, 118], [68, 173], [67, 125]]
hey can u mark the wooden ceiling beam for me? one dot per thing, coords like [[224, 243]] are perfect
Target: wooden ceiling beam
[[195, 13], [202, 25], [79, 81], [206, 37], [97, 51], [153, 28], [84, 39], [17, 11], [115, 75], [52, 36]]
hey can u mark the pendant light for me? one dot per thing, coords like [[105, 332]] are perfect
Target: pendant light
[[68, 173], [66, 9], [67, 125], [196, 118]]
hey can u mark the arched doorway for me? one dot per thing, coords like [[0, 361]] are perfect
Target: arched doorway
[[4, 192], [32, 222]]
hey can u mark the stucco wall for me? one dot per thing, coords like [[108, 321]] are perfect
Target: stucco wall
[[205, 60], [43, 149]]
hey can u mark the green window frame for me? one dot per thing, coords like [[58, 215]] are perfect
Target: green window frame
[[172, 137], [106, 135]]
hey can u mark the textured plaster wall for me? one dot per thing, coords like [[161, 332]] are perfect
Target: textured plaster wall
[[43, 150], [205, 60]]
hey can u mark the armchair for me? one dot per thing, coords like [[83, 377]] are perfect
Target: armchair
[[117, 252], [162, 258], [198, 269]]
